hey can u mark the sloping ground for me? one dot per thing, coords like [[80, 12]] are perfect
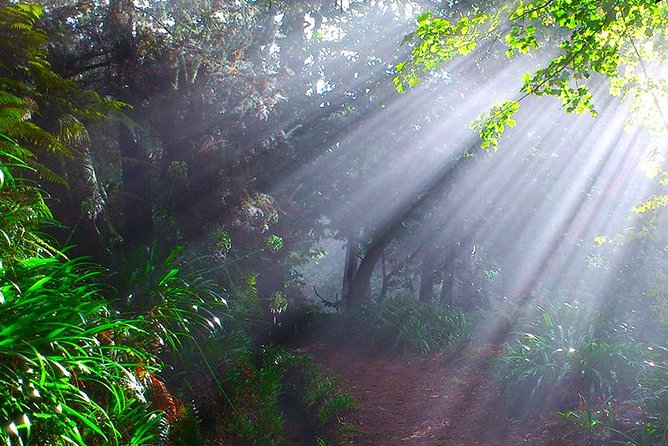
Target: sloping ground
[[429, 400]]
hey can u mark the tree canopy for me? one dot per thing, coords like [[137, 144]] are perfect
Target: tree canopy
[[576, 42], [245, 170]]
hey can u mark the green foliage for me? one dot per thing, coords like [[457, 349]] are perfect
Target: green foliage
[[72, 370], [67, 372], [323, 395], [274, 243], [29, 88], [326, 401], [22, 208], [640, 421], [178, 298], [234, 392], [651, 204], [564, 352], [31, 91], [187, 430], [623, 41], [492, 123], [596, 423], [406, 324], [651, 402], [251, 386], [222, 242], [259, 419], [439, 40], [279, 302]]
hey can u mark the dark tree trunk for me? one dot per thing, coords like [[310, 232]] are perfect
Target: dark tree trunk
[[350, 266], [137, 213], [360, 287], [427, 278], [448, 287], [138, 223], [386, 277], [469, 276]]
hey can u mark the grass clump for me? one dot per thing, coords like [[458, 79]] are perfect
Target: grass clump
[[326, 401], [68, 371], [406, 324], [564, 352]]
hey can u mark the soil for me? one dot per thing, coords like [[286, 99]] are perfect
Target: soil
[[429, 399]]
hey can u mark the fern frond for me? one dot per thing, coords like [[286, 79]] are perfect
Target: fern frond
[[19, 89], [15, 152], [31, 12], [48, 174], [12, 111], [38, 137], [12, 100], [73, 130]]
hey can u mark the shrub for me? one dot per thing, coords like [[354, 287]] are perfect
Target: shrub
[[326, 402], [176, 296], [239, 398], [594, 424], [405, 323], [67, 374], [565, 352], [648, 423], [639, 421]]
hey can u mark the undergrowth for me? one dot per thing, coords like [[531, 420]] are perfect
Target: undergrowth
[[67, 371], [565, 351], [640, 420], [406, 324], [326, 401], [248, 410], [147, 355]]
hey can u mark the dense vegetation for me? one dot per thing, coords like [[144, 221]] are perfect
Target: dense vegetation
[[185, 186], [106, 356]]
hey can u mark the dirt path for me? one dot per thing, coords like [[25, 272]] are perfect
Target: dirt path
[[428, 400]]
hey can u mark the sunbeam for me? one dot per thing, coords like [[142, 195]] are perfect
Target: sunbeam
[[358, 222]]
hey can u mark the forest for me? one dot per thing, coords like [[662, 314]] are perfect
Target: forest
[[348, 222]]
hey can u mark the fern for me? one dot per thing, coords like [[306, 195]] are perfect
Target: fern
[[36, 136], [30, 88], [13, 110]]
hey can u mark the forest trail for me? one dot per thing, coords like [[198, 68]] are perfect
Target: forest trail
[[427, 400]]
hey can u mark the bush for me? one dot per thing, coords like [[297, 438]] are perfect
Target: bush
[[177, 297], [323, 394], [407, 324], [67, 372], [648, 424], [565, 352], [239, 398], [251, 412], [639, 421]]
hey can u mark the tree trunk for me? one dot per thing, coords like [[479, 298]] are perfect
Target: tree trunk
[[386, 278], [137, 213], [360, 287], [469, 288], [350, 266], [427, 278], [448, 287], [138, 222]]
